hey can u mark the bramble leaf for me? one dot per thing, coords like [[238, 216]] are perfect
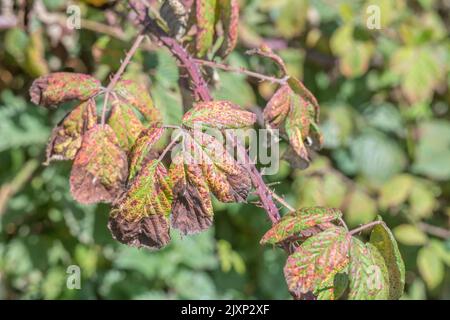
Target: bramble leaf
[[59, 87], [142, 150], [176, 15], [218, 115], [140, 218], [205, 21], [125, 124], [368, 274], [137, 95], [100, 168], [382, 238], [67, 136], [229, 15], [300, 221], [316, 261], [192, 210], [278, 107]]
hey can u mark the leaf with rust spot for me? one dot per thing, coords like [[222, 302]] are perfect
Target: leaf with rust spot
[[278, 107], [300, 221], [142, 150], [140, 218], [125, 124], [218, 115], [205, 14], [368, 275], [67, 135], [229, 15], [100, 168], [316, 261], [59, 87], [137, 95]]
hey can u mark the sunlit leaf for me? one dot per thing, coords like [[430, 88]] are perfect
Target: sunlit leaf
[[229, 15]]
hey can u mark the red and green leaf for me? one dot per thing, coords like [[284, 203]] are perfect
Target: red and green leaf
[[278, 107], [383, 239], [59, 87], [67, 136], [100, 168], [229, 15], [137, 95], [142, 149], [125, 124], [316, 261], [141, 217], [218, 115], [368, 275], [205, 14], [299, 223]]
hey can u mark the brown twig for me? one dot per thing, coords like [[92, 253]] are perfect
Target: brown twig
[[364, 227], [434, 230], [241, 70]]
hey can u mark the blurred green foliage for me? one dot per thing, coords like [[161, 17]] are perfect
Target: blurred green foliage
[[385, 115]]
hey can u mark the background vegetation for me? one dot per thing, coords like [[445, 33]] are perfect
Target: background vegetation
[[385, 115]]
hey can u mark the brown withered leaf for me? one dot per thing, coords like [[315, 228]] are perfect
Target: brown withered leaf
[[125, 124], [67, 135], [100, 168], [229, 15], [218, 115], [138, 96], [140, 218], [142, 150], [59, 87]]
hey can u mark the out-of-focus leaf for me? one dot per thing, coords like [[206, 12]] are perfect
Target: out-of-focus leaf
[[67, 136], [430, 267], [410, 235], [59, 87], [302, 223], [317, 261], [218, 115], [100, 168], [395, 191], [140, 218], [382, 238], [368, 274], [361, 209]]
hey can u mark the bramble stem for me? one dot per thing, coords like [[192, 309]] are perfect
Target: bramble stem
[[120, 72], [241, 70], [364, 227], [282, 201]]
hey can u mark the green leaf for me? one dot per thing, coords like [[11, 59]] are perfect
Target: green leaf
[[361, 209], [368, 274], [100, 168], [395, 191], [140, 218], [431, 267], [382, 239], [300, 221], [317, 260], [59, 87], [218, 115], [410, 235]]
